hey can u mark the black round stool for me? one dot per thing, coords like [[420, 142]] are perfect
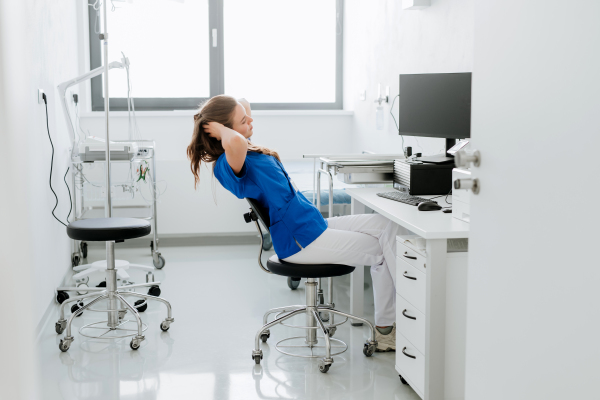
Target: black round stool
[[312, 310], [110, 230]]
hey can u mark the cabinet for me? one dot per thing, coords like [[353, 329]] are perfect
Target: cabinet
[[413, 356]]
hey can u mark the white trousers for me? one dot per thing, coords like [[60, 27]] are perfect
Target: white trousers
[[359, 240]]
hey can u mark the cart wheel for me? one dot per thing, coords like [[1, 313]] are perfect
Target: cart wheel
[[101, 284], [61, 296], [76, 307], [403, 380], [154, 291], [161, 262], [142, 308], [84, 247], [75, 260]]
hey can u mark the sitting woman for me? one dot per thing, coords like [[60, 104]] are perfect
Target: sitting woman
[[222, 127]]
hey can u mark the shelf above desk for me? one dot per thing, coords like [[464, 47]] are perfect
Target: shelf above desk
[[427, 224]]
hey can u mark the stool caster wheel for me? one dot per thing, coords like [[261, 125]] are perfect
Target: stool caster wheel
[[84, 249], [264, 337], [332, 331], [61, 296], [60, 326], [76, 307], [403, 380], [257, 356], [154, 291], [369, 349], [324, 365], [136, 343], [101, 284], [164, 326], [65, 344], [293, 284], [139, 307]]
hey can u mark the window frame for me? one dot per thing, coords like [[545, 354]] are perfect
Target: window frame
[[216, 71]]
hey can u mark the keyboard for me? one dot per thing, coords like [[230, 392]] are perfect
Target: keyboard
[[404, 198]]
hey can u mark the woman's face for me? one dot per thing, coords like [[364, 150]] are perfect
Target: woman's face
[[242, 123]]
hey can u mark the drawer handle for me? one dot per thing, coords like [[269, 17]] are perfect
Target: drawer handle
[[408, 316], [408, 277], [406, 256], [406, 354]]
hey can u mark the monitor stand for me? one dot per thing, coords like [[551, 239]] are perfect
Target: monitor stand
[[440, 158]]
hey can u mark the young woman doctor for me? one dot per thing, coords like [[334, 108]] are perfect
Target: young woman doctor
[[222, 127]]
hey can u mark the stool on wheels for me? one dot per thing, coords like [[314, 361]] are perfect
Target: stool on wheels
[[110, 230], [312, 310]]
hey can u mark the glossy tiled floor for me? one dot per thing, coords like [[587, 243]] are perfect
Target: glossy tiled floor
[[218, 295]]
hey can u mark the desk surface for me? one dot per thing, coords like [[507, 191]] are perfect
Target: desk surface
[[427, 224]]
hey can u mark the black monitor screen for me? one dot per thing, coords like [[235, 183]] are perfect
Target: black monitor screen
[[435, 105]]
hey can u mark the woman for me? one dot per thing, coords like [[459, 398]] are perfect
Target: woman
[[222, 127]]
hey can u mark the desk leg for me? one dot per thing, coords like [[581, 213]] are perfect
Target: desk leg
[[357, 278], [435, 319]]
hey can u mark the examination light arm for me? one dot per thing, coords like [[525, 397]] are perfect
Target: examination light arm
[[62, 90]]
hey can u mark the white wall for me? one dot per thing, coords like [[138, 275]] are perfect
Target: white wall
[[38, 49], [382, 41]]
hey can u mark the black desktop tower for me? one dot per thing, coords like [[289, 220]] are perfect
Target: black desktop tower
[[422, 179]]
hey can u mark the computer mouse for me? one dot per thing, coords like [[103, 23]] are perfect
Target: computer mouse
[[429, 206]]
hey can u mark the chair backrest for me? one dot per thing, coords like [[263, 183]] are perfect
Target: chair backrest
[[261, 212]]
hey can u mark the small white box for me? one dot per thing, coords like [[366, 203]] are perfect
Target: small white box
[[461, 198]]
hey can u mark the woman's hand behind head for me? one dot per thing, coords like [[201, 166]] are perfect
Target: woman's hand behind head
[[214, 129]]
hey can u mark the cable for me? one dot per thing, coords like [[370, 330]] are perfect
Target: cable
[[395, 122], [70, 199], [51, 160]]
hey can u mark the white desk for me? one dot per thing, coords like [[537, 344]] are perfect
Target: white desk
[[436, 227]]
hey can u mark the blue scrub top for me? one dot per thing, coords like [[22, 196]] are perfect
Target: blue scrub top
[[263, 178]]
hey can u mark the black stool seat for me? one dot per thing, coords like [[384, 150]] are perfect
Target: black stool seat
[[108, 229], [280, 267]]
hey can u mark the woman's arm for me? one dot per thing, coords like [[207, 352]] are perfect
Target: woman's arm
[[235, 145]]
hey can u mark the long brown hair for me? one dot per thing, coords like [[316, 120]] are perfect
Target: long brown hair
[[204, 148]]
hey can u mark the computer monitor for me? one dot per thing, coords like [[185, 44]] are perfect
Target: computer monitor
[[435, 105]]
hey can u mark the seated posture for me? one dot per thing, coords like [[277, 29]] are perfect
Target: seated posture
[[300, 234]]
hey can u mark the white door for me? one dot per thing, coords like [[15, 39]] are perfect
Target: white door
[[533, 329]]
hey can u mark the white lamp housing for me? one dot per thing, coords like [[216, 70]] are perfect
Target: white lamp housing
[[415, 4]]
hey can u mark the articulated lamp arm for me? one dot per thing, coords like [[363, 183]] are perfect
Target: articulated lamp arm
[[62, 91]]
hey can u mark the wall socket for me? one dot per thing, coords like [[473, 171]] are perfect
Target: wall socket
[[362, 95], [40, 96]]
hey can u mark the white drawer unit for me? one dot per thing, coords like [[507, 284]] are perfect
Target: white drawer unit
[[411, 284], [410, 363], [410, 322], [411, 256]]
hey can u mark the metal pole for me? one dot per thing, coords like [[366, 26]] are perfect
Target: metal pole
[[104, 37], [111, 285]]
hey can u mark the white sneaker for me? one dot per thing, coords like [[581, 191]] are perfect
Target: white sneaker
[[386, 342]]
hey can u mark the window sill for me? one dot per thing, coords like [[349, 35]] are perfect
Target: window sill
[[189, 113]]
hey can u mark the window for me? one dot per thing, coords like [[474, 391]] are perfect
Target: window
[[280, 54]]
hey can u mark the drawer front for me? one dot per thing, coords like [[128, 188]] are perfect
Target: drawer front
[[413, 369], [411, 284], [410, 256], [410, 323]]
